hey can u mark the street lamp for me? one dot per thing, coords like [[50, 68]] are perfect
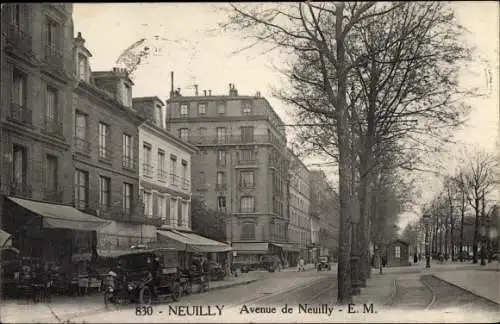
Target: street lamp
[[427, 254]]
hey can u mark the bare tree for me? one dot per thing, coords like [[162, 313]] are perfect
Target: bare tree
[[476, 180]]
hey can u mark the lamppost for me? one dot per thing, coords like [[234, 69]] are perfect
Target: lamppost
[[427, 254]]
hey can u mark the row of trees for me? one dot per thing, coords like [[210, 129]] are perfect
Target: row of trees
[[465, 202], [375, 87]]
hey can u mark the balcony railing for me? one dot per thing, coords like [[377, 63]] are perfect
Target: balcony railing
[[16, 188], [53, 126], [20, 39], [185, 184], [221, 186], [162, 174], [21, 114], [128, 162], [81, 145], [245, 162], [105, 154], [174, 179], [247, 184], [147, 169], [53, 56], [247, 210], [53, 195], [229, 139]]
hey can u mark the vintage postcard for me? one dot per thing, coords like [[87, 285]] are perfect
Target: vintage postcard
[[256, 162]]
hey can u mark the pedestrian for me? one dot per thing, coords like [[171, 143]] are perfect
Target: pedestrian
[[301, 264], [415, 258]]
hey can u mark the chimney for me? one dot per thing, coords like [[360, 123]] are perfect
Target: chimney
[[230, 88], [205, 93], [196, 90], [171, 84], [209, 92], [179, 91]]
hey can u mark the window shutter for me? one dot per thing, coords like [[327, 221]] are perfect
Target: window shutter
[[155, 205]]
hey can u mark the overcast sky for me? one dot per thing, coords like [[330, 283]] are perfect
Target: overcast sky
[[197, 54]]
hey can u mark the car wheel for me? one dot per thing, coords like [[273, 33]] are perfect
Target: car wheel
[[145, 296]]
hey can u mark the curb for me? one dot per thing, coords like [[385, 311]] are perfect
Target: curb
[[246, 282], [465, 289]]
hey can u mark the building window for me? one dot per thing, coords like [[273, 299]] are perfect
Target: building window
[[221, 158], [185, 172], [247, 134], [246, 108], [173, 211], [104, 193], [147, 168], [247, 204], [127, 197], [51, 174], [162, 174], [82, 67], [203, 180], [397, 251], [247, 179], [179, 214], [173, 168], [51, 123], [184, 134], [104, 151], [221, 203], [221, 134], [81, 189], [248, 231], [148, 204], [221, 108], [159, 116], [202, 131], [127, 146], [247, 155], [162, 208], [51, 33], [19, 88], [184, 109], [202, 109], [19, 165], [221, 180]]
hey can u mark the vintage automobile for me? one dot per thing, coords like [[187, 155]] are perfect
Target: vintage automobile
[[323, 264], [142, 276], [270, 262]]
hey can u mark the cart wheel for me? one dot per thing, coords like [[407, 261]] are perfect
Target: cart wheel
[[145, 297], [176, 292]]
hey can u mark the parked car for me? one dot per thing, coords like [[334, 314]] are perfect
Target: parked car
[[271, 262], [323, 264], [142, 276], [216, 271]]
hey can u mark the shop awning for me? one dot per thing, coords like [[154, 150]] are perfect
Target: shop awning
[[61, 216], [251, 248], [287, 247], [190, 242], [5, 239]]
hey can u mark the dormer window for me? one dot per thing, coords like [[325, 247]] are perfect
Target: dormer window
[[158, 116], [82, 67]]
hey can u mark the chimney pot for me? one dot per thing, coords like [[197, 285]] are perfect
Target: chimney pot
[[196, 90], [204, 92], [209, 92]]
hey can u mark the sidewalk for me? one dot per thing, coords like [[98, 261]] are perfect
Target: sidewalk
[[63, 307]]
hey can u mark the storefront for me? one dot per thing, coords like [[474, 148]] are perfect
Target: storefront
[[249, 253], [289, 253], [188, 244], [50, 232]]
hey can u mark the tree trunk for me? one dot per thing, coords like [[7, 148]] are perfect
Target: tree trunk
[[476, 231], [343, 276], [462, 217]]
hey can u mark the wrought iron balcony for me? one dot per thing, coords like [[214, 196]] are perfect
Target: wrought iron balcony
[[19, 38], [233, 139], [247, 210], [221, 186], [128, 162], [247, 184], [53, 194], [53, 126], [105, 154], [20, 189], [53, 56], [147, 169], [162, 174], [81, 145], [246, 162], [21, 114]]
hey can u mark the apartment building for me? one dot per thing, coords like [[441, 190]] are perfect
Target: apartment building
[[241, 167], [325, 207], [300, 226], [165, 168], [106, 154], [36, 182]]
